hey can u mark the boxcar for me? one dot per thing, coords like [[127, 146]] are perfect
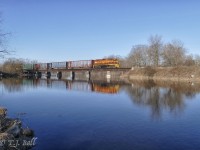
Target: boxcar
[[42, 66], [36, 66], [79, 64], [28, 66], [49, 65], [59, 65]]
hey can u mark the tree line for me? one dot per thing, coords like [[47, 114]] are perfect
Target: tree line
[[158, 54]]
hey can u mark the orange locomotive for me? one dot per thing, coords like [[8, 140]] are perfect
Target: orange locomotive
[[105, 63]]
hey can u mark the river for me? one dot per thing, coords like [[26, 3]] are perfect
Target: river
[[98, 115]]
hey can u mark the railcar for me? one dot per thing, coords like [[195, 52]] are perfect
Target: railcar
[[36, 67], [42, 66], [28, 66], [59, 65], [79, 64], [49, 65]]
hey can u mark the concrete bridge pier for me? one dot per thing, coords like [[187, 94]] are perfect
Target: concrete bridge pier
[[67, 75], [45, 75], [81, 75], [106, 75], [54, 75]]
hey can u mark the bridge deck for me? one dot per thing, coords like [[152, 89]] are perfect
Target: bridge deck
[[88, 69]]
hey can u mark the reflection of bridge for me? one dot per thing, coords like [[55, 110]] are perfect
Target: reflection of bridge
[[21, 84], [100, 87], [80, 74]]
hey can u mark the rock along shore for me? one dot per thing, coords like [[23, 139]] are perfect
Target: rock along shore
[[12, 135]]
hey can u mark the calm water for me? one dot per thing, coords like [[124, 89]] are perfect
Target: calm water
[[69, 115]]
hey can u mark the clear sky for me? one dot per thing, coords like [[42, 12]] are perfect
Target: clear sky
[[60, 30]]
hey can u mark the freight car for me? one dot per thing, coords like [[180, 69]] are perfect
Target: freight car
[[59, 65], [41, 66], [28, 66], [80, 64]]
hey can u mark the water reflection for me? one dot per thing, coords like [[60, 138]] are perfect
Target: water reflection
[[17, 85], [162, 95], [155, 95], [11, 85]]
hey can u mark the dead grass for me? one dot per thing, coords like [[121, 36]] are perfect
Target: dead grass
[[165, 73]]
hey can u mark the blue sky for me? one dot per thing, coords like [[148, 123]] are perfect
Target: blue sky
[[60, 30]]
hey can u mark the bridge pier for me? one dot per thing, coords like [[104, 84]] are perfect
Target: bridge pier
[[43, 75], [110, 75], [67, 75], [81, 75], [54, 75], [105, 74]]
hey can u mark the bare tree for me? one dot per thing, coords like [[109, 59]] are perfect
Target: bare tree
[[154, 51], [138, 56], [174, 54], [3, 48], [189, 60], [13, 65], [197, 60]]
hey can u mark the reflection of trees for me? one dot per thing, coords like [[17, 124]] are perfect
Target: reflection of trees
[[173, 99], [146, 97], [12, 85], [154, 101], [16, 84], [162, 95]]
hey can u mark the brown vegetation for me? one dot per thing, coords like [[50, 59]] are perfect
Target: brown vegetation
[[12, 66], [182, 73]]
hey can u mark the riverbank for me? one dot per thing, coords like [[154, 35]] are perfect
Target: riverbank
[[8, 75], [189, 74]]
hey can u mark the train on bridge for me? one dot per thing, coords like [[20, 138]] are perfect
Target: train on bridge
[[81, 64]]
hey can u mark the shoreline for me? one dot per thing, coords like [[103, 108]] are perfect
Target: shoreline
[[176, 74], [8, 75]]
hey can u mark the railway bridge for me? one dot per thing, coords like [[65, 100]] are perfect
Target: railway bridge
[[85, 74]]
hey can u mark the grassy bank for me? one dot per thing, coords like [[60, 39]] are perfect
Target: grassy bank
[[164, 73]]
